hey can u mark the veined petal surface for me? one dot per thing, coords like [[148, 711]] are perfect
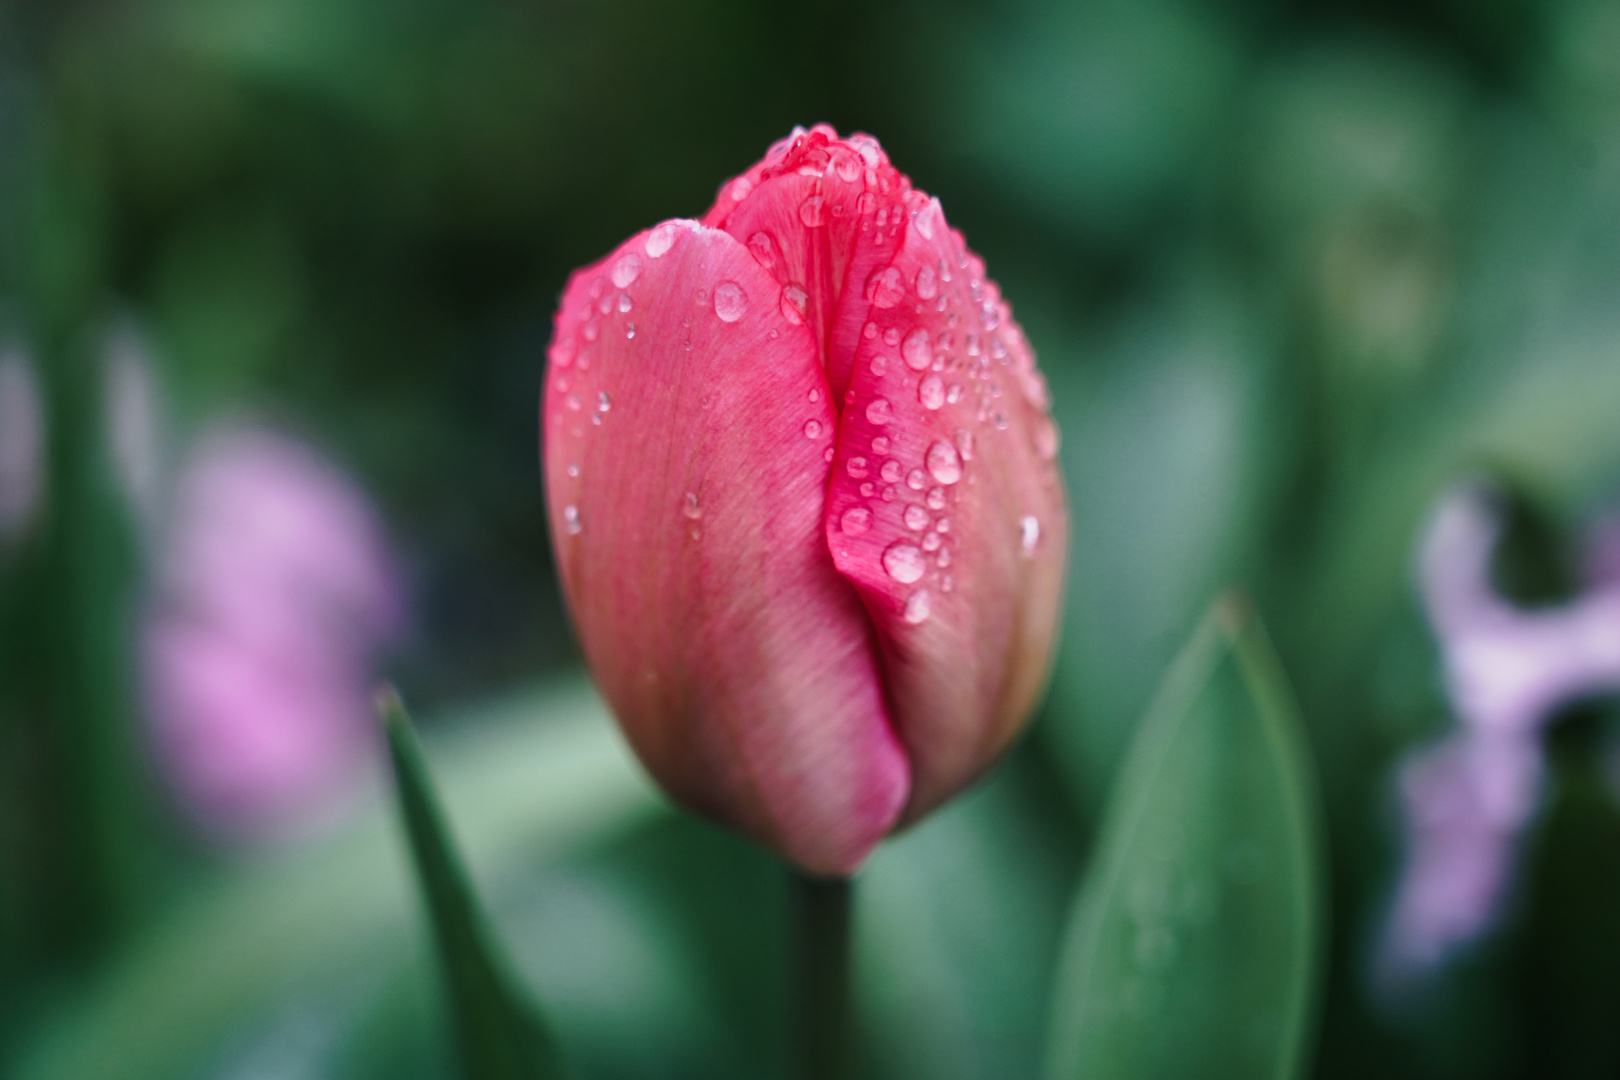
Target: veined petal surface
[[945, 506], [687, 428], [806, 501]]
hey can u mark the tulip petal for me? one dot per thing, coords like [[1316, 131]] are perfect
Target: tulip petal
[[947, 445], [687, 422], [821, 213], [944, 506]]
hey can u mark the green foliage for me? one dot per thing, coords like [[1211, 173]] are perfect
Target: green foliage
[[1290, 274], [499, 1028], [537, 775], [1194, 948]]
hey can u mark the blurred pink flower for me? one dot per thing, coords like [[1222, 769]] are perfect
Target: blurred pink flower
[[1468, 798], [274, 595]]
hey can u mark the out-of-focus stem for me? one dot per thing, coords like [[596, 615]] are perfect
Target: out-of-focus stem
[[821, 920]]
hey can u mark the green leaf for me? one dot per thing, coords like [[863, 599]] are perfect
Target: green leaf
[[1193, 948], [498, 1025], [530, 778]]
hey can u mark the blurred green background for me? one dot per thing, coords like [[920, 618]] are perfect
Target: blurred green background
[[1291, 270]]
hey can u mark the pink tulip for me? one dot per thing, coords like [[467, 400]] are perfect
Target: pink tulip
[[805, 501]]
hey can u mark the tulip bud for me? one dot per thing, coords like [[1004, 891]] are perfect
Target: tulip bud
[[805, 501]]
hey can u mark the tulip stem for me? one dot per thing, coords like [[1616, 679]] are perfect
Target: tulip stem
[[822, 928]]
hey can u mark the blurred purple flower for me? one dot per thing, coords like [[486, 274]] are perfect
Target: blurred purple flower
[[22, 444], [1468, 798], [274, 595]]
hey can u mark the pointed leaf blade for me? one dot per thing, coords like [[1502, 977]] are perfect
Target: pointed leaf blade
[[498, 1027], [1193, 948]]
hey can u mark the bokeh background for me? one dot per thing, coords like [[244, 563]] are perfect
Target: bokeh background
[[1293, 271]]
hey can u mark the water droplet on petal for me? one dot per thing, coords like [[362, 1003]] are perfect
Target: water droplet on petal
[[571, 520], [763, 249], [944, 462], [815, 395], [1029, 534], [927, 283], [660, 240], [880, 365], [891, 472], [917, 607], [915, 480], [730, 301], [573, 470], [931, 541], [573, 402], [591, 330], [848, 167], [811, 212], [855, 521], [915, 517], [603, 402], [856, 467], [917, 350], [690, 507], [562, 352], [868, 489], [885, 288], [936, 498], [1046, 438], [932, 392], [878, 412], [794, 301], [925, 219], [812, 429], [827, 455], [630, 330], [880, 445], [955, 393], [1035, 388], [904, 562], [740, 188], [626, 270], [964, 444], [869, 331]]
